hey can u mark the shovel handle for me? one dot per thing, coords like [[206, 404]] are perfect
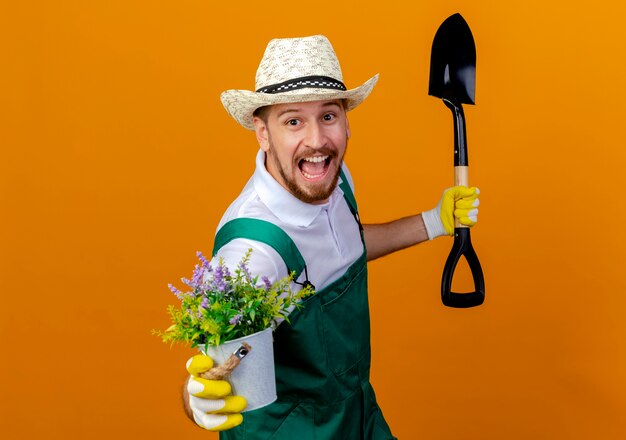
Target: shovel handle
[[461, 178], [462, 247], [462, 240]]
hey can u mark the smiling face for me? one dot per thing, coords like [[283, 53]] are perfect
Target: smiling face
[[304, 143]]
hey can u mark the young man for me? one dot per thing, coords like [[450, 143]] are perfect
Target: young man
[[302, 194]]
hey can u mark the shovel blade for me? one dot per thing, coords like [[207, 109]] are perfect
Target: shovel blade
[[453, 62]]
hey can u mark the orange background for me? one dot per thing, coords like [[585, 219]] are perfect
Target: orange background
[[118, 161]]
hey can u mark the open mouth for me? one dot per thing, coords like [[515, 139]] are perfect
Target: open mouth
[[314, 168]]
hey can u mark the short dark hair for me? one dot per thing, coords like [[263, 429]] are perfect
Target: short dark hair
[[261, 113]]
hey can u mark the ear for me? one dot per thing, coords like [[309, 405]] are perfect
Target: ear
[[262, 135], [348, 129]]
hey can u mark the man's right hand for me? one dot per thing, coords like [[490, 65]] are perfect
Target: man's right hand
[[209, 402]]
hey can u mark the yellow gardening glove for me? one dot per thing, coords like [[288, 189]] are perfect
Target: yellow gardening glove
[[460, 203], [210, 401]]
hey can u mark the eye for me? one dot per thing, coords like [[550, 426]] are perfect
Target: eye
[[329, 117], [292, 122]]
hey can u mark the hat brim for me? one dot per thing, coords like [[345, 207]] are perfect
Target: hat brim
[[241, 104]]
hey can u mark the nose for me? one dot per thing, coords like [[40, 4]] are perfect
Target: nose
[[315, 137]]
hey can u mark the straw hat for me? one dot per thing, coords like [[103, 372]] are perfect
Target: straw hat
[[295, 70]]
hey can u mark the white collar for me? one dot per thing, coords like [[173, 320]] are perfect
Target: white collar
[[284, 205]]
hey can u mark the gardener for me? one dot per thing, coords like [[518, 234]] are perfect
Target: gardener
[[303, 194]]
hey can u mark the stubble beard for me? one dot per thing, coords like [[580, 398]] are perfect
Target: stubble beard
[[313, 195]]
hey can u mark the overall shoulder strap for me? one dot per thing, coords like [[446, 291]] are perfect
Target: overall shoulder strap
[[347, 192], [348, 195], [265, 232]]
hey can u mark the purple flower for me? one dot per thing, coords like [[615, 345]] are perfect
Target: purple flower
[[218, 275], [218, 279], [244, 267], [196, 279], [176, 292], [221, 275], [205, 303], [267, 282], [236, 319], [204, 261]]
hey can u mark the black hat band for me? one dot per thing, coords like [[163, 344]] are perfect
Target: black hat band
[[311, 82]]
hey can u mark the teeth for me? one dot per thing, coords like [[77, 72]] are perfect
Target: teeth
[[316, 159]]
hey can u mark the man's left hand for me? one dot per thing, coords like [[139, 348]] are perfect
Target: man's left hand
[[460, 203]]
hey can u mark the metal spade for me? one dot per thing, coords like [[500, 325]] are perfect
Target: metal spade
[[453, 79]]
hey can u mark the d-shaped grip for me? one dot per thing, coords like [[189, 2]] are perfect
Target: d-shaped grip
[[462, 246]]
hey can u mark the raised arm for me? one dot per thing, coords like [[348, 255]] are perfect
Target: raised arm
[[460, 203], [385, 238]]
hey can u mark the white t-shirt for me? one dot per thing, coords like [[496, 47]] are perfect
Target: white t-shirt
[[326, 235]]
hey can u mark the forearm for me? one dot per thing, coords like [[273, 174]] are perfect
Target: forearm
[[385, 238]]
